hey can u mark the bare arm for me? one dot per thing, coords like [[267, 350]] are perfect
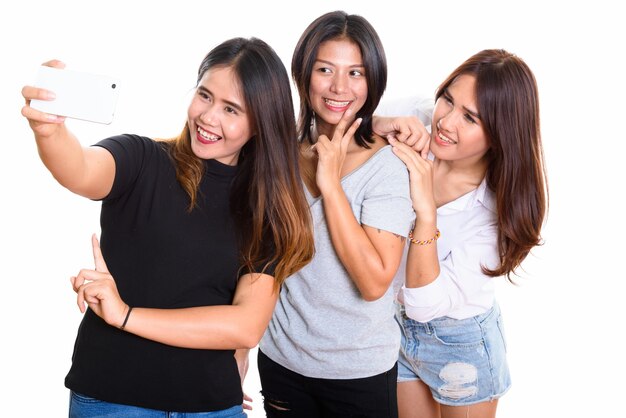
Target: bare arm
[[370, 256], [241, 356], [422, 266], [87, 171], [240, 325]]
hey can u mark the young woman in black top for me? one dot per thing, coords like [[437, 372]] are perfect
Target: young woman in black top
[[198, 233]]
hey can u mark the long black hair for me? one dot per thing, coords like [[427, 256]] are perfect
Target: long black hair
[[267, 199]]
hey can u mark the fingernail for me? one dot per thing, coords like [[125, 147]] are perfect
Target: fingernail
[[55, 118], [50, 95]]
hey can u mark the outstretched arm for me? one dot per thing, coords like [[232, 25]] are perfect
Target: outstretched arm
[[87, 171]]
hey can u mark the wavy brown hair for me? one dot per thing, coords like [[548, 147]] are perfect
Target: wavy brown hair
[[508, 104], [267, 201]]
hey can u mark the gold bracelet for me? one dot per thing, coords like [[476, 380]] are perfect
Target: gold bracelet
[[425, 242]]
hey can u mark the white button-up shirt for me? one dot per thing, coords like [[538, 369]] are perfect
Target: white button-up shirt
[[468, 241]]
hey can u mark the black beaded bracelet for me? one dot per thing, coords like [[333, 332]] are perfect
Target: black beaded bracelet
[[130, 308]]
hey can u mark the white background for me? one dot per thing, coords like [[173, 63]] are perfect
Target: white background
[[563, 320]]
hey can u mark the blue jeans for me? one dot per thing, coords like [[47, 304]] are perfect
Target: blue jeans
[[85, 407], [463, 362]]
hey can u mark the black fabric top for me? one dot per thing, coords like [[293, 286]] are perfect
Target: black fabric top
[[161, 256]]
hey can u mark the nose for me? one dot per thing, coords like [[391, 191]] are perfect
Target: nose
[[339, 84], [209, 116], [448, 121]]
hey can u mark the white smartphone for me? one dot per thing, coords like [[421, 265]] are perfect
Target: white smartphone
[[79, 95]]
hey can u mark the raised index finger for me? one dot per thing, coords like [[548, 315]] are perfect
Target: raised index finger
[[345, 120], [98, 258]]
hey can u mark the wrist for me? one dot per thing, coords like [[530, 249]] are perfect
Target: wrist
[[331, 191], [424, 236], [126, 316], [425, 213]]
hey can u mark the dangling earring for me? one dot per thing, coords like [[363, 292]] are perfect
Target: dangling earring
[[313, 128]]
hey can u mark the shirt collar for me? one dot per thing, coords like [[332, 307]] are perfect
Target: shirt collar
[[479, 196]]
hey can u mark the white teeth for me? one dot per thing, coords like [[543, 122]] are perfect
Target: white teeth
[[441, 136], [336, 104], [204, 134], [446, 139]]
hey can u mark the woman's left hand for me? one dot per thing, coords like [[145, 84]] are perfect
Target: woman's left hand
[[97, 289], [241, 356]]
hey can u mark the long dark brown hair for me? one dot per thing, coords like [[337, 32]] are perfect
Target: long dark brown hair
[[332, 26], [508, 104], [270, 210]]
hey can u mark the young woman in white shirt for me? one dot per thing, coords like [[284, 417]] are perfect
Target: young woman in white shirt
[[480, 201]]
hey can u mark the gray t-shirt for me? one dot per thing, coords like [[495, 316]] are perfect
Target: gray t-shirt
[[321, 326]]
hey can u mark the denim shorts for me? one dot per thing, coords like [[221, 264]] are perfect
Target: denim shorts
[[463, 362], [82, 406]]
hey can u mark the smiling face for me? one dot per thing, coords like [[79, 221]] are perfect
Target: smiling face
[[337, 82], [457, 131], [218, 122]]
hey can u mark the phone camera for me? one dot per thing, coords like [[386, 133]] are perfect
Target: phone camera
[[113, 85]]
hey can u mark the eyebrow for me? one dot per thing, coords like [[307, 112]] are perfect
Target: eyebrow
[[471, 112], [228, 102], [334, 65]]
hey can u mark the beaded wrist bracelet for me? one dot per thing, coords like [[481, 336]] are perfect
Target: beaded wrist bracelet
[[425, 242]]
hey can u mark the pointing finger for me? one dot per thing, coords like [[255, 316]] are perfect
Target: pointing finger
[[346, 118], [98, 258], [348, 135]]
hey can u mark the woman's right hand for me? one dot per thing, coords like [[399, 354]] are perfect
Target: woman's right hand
[[331, 152], [420, 177], [86, 171], [406, 129], [97, 289], [42, 124]]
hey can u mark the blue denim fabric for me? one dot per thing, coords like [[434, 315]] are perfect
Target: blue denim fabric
[[462, 361], [85, 407]]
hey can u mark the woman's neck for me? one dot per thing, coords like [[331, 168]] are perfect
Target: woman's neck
[[323, 128], [472, 171], [453, 179]]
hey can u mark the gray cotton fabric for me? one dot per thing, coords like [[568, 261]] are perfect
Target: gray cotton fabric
[[321, 326]]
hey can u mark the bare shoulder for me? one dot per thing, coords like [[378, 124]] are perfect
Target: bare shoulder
[[379, 142], [357, 156]]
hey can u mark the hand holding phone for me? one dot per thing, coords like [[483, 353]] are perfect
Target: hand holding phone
[[79, 95]]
